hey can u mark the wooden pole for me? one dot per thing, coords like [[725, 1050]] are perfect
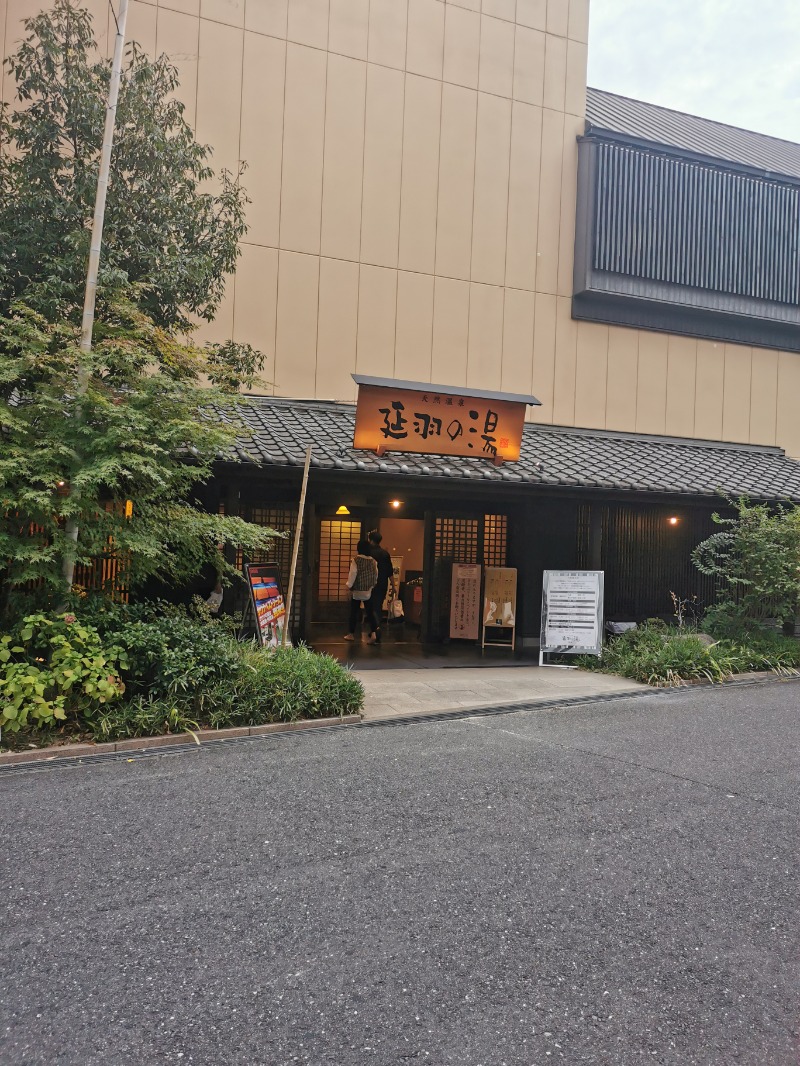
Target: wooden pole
[[296, 548], [93, 267]]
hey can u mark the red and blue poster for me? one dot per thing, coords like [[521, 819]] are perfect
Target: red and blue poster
[[268, 603]]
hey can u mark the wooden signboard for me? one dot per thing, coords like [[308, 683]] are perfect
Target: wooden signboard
[[572, 613], [499, 606], [266, 597], [465, 601], [405, 416]]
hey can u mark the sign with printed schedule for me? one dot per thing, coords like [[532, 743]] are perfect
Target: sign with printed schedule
[[465, 601], [266, 595], [572, 613]]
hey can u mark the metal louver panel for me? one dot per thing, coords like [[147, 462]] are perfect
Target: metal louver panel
[[680, 222]]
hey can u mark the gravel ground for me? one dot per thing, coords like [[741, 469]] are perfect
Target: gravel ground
[[612, 883]]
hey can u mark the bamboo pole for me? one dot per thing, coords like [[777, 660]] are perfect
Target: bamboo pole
[[296, 547]]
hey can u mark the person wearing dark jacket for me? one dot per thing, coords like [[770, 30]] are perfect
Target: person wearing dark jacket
[[361, 581], [385, 578]]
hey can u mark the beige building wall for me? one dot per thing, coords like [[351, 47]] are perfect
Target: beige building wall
[[412, 165]]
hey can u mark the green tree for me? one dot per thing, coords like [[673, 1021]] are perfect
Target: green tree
[[142, 417], [165, 231], [755, 559]]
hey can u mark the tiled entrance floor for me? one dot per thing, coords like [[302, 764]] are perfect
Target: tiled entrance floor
[[403, 677]]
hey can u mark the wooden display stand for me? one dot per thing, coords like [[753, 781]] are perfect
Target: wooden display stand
[[499, 607]]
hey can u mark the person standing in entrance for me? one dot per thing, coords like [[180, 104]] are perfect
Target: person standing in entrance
[[361, 581], [385, 578]]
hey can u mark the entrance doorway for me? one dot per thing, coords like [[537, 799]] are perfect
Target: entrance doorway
[[404, 540], [423, 547]]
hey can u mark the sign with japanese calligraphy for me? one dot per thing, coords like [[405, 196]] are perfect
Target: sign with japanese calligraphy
[[465, 601], [500, 596], [267, 598], [437, 422], [572, 612]]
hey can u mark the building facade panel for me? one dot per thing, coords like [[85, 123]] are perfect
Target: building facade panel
[[764, 398], [591, 377], [348, 29], [456, 182], [622, 362], [438, 139], [337, 327], [263, 91], [462, 42], [414, 331], [681, 378], [255, 305], [450, 331], [343, 160]]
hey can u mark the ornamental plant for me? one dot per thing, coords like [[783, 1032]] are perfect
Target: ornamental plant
[[51, 666], [755, 559]]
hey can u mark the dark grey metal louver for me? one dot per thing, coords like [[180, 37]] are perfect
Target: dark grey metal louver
[[686, 245]]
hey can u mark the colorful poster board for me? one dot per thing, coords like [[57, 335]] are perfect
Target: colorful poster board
[[465, 601], [572, 613], [499, 604], [266, 595]]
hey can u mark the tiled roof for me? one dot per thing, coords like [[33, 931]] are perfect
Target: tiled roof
[[635, 118], [551, 456]]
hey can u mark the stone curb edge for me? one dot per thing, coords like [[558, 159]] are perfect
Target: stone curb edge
[[80, 751]]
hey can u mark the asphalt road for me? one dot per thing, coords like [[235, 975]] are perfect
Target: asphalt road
[[615, 883]]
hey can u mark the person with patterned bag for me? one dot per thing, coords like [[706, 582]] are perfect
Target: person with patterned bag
[[361, 580]]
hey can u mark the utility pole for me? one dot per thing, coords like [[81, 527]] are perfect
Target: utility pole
[[90, 294]]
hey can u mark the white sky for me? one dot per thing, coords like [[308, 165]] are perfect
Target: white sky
[[736, 61]]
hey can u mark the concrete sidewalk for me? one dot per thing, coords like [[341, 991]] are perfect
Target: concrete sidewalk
[[409, 693]]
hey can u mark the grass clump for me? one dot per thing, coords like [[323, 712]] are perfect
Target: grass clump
[[660, 655]]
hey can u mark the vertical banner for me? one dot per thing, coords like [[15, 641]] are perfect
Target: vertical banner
[[465, 601], [397, 572], [572, 612], [268, 603], [500, 597], [500, 607]]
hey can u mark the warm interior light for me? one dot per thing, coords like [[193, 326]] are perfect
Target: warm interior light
[[673, 521], [395, 504], [342, 510]]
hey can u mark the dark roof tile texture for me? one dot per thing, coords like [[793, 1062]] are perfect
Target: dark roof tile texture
[[649, 122], [551, 456]]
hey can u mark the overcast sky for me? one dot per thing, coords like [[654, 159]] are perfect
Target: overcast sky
[[736, 61]]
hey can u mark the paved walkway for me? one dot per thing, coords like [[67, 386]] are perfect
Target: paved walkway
[[407, 692]]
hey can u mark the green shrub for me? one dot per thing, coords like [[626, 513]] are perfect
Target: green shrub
[[658, 655], [178, 658], [174, 653], [178, 669], [755, 561], [54, 665]]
